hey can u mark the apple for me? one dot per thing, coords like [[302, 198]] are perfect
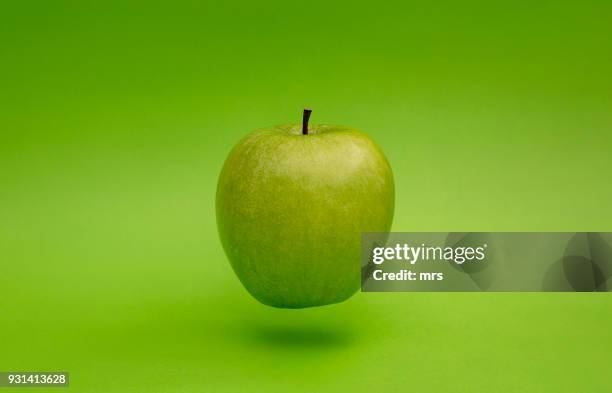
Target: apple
[[292, 202]]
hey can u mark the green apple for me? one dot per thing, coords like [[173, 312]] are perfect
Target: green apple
[[292, 202]]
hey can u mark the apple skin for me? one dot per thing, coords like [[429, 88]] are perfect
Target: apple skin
[[291, 209]]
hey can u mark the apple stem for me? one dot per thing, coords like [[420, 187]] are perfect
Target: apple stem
[[305, 119]]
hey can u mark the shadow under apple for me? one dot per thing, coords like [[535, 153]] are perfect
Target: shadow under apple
[[300, 337]]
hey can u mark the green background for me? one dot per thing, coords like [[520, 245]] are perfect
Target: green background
[[115, 119]]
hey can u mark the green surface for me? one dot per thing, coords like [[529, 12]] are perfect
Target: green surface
[[115, 120]]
